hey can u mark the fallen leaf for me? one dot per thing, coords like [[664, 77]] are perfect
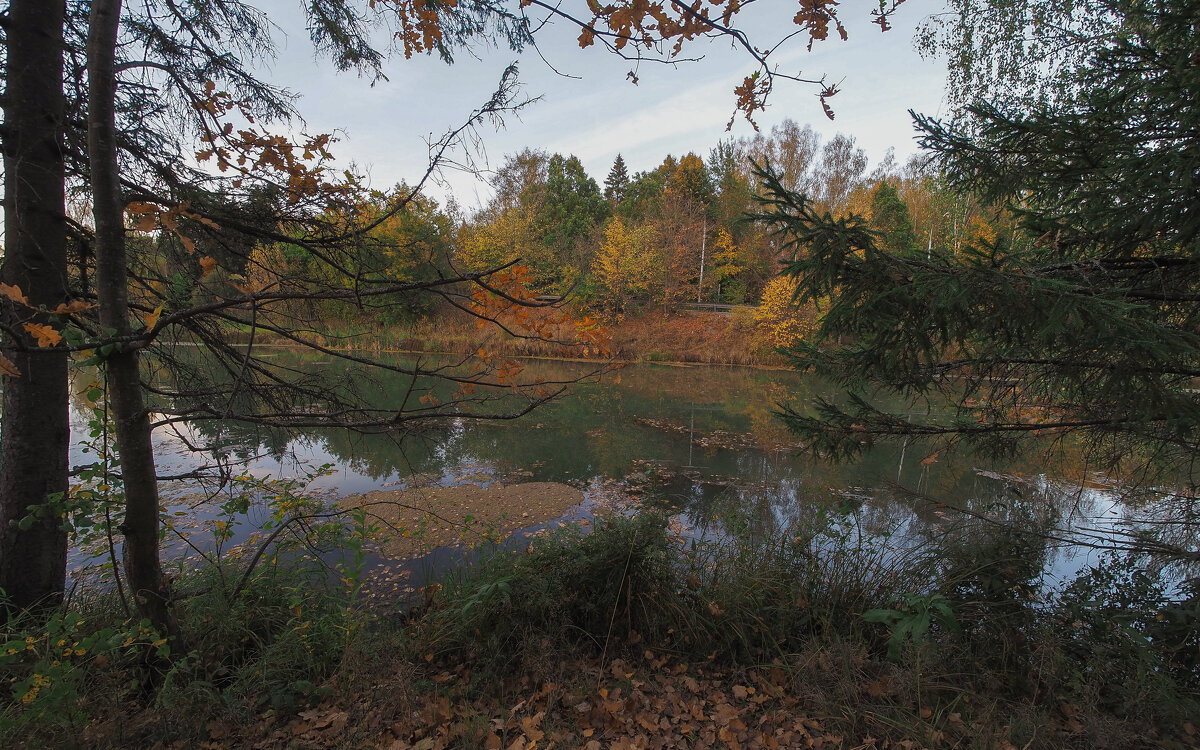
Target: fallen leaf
[[217, 730], [724, 713]]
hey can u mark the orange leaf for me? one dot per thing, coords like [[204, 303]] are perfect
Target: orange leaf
[[187, 244], [146, 223], [931, 459], [14, 293], [67, 308], [152, 318], [208, 264], [8, 368], [45, 335]]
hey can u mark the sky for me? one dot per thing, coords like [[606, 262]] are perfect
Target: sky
[[586, 105]]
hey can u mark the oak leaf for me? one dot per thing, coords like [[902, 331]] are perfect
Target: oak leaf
[[208, 264], [45, 335], [8, 368], [14, 293], [68, 308]]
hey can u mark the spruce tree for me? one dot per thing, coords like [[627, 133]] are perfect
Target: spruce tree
[[617, 182], [1084, 321], [889, 217]]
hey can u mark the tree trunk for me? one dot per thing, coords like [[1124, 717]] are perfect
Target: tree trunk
[[36, 430], [131, 420]]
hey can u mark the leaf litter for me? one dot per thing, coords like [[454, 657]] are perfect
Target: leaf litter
[[644, 703]]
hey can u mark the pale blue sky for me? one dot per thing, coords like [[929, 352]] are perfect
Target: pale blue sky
[[597, 113]]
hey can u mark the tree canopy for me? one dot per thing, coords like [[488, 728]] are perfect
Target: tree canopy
[[1081, 321]]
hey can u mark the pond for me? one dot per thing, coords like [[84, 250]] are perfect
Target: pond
[[701, 441]]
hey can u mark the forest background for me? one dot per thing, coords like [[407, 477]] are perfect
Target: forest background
[[896, 274], [635, 250]]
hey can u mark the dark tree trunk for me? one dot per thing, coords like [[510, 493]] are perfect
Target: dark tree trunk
[[131, 420], [36, 433]]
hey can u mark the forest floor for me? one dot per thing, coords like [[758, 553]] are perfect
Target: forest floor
[[653, 701]]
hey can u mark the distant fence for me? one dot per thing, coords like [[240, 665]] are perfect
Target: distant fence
[[550, 299], [709, 307]]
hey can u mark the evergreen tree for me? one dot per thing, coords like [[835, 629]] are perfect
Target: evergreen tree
[[889, 217], [569, 208], [1083, 321], [617, 182]]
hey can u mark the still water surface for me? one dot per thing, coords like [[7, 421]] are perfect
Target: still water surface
[[703, 440]]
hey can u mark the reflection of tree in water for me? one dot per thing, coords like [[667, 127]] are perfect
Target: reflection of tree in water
[[604, 429]]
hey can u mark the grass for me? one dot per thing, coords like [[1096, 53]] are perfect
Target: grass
[[516, 646]]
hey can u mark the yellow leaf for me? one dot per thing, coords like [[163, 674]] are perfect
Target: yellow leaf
[[8, 368], [14, 293], [152, 318], [45, 335]]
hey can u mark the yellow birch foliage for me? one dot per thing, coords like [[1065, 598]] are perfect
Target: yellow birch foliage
[[784, 321], [626, 263], [493, 243], [728, 260]]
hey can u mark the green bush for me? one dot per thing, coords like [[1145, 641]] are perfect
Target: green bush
[[736, 599], [569, 588], [1127, 643]]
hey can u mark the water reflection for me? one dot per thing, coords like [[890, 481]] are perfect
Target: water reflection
[[704, 440]]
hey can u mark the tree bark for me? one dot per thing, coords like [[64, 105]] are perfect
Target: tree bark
[[36, 430], [131, 420]]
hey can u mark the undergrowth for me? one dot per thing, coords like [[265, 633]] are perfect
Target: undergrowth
[[949, 643], [269, 647]]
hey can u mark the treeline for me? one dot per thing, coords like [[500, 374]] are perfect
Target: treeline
[[677, 233], [630, 243]]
